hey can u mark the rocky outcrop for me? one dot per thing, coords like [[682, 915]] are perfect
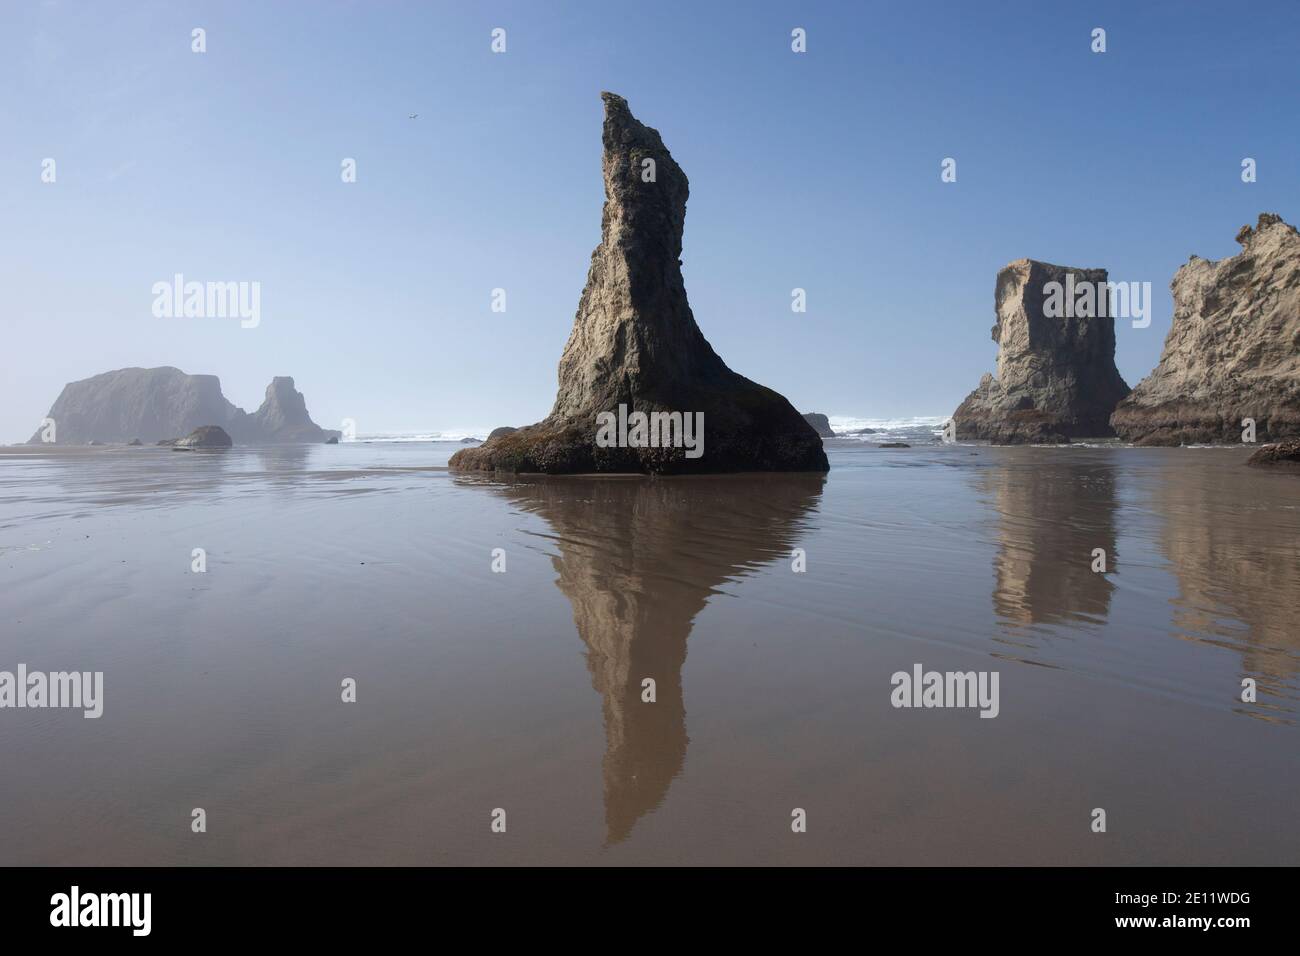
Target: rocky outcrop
[[1056, 377], [1233, 348], [155, 404], [1285, 454], [635, 348], [499, 432], [205, 436], [282, 417], [820, 424]]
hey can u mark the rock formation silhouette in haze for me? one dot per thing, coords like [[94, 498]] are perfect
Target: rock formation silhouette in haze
[[154, 404], [1233, 348], [1056, 376], [635, 343], [820, 424]]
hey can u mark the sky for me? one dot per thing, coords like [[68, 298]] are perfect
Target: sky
[[817, 170]]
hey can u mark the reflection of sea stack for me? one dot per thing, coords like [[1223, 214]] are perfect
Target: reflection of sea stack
[[1231, 352], [1225, 556], [1051, 517], [635, 343], [638, 560], [1056, 373]]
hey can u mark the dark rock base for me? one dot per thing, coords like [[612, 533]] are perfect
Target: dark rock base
[[1186, 423], [1281, 455]]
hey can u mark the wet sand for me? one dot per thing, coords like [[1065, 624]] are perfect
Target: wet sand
[[523, 690]]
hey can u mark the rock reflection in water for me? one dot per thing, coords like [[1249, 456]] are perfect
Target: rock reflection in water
[[638, 559], [1229, 535], [1051, 515]]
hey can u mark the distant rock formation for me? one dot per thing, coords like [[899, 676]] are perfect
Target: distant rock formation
[[282, 417], [859, 431], [503, 430], [1285, 454], [155, 404], [895, 444], [205, 436], [1233, 348], [1056, 377], [635, 346], [820, 423]]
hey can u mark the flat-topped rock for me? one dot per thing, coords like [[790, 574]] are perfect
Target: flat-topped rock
[[1056, 377]]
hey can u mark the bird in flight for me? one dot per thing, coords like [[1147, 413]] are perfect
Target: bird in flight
[[413, 116]]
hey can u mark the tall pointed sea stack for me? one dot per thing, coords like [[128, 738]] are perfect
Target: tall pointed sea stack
[[635, 344], [1233, 349], [1056, 372]]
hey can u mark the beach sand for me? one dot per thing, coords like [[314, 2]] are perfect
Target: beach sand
[[522, 690]]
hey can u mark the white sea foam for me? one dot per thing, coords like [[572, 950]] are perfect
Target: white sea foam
[[920, 427], [917, 427], [451, 434]]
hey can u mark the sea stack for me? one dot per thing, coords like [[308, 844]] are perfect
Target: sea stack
[[158, 404], [1056, 376], [635, 349], [1233, 348], [283, 416]]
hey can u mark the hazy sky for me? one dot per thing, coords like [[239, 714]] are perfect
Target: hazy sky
[[818, 170]]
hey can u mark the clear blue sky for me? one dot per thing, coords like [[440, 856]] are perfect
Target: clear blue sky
[[818, 170]]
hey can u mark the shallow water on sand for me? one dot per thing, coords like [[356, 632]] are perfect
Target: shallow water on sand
[[523, 690]]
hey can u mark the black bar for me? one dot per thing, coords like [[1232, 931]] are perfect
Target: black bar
[[369, 905]]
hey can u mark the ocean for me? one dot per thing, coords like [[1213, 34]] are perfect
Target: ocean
[[1134, 609]]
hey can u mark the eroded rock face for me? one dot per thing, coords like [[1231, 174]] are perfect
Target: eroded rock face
[[156, 404], [635, 343], [1056, 377], [499, 432], [820, 424], [1233, 349]]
